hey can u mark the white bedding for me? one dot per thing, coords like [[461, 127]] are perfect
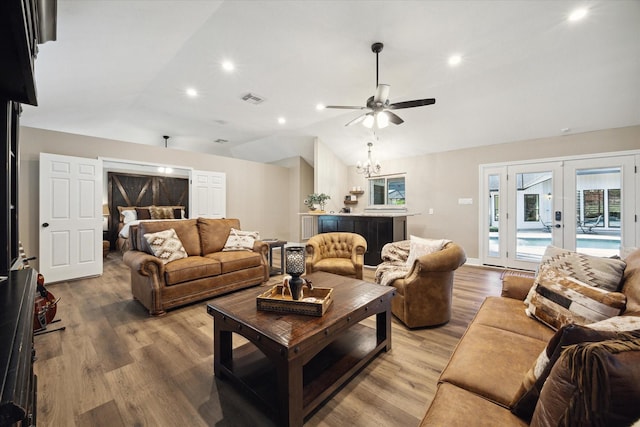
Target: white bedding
[[125, 230]]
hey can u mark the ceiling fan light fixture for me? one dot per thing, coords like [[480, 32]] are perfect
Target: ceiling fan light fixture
[[382, 120], [368, 121]]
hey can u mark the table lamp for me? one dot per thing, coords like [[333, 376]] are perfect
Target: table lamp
[[295, 268]]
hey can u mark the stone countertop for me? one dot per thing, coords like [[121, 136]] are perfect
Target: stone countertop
[[390, 214]]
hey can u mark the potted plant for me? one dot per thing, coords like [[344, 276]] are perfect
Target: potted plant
[[314, 200]]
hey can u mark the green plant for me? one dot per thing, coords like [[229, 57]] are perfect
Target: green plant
[[315, 198]]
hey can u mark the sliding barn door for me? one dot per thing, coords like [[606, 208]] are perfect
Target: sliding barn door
[[70, 217], [208, 194]]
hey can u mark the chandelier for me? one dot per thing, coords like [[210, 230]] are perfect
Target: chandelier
[[370, 167]]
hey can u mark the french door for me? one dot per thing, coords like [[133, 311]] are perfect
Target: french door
[[586, 205]]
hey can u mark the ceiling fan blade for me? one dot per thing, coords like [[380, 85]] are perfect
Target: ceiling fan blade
[[346, 107], [394, 118], [411, 104], [356, 120], [382, 93]]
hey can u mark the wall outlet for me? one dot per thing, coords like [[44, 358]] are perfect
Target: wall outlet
[[430, 211], [465, 201]]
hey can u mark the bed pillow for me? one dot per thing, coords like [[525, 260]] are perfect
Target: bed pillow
[[526, 398], [129, 215], [557, 299], [419, 246], [166, 245], [605, 273], [239, 240], [161, 212], [143, 213]]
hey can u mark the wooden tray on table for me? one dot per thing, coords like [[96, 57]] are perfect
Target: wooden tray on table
[[314, 302]]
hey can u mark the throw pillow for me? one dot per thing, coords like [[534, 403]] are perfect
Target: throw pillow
[[526, 398], [159, 212], [239, 240], [143, 213], [557, 299], [166, 245], [129, 215], [605, 273], [594, 384], [419, 246]]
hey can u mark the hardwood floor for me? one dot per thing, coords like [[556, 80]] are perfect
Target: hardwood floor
[[116, 366]]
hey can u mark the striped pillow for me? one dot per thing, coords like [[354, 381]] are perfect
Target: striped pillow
[[558, 299]]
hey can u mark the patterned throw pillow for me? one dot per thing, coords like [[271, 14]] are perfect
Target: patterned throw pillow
[[557, 299], [239, 240], [158, 212], [166, 245], [420, 246], [605, 273]]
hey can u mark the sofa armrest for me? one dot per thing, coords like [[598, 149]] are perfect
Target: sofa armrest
[[143, 263], [516, 285], [263, 249], [447, 259]]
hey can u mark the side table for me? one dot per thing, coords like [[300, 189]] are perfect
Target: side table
[[275, 244]]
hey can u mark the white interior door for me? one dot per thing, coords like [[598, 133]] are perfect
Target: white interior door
[[208, 195], [70, 217]]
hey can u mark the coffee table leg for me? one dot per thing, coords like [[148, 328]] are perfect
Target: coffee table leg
[[383, 327], [222, 349], [290, 393]]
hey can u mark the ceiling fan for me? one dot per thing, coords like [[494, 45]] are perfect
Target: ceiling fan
[[379, 104]]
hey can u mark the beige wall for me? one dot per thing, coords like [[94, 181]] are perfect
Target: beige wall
[[330, 176], [257, 193], [438, 180]]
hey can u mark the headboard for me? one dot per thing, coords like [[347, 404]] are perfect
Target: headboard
[[127, 189]]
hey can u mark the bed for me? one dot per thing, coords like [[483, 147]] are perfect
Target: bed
[[137, 194]]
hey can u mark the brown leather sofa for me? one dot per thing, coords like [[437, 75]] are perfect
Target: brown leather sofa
[[501, 344], [424, 290], [339, 253], [207, 271]]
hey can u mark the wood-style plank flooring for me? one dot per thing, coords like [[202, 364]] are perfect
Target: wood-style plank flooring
[[116, 366]]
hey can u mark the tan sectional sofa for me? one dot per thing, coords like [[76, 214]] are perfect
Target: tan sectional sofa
[[207, 271], [500, 346]]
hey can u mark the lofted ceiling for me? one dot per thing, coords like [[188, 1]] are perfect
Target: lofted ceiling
[[120, 69]]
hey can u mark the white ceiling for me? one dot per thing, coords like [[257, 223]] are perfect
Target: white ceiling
[[119, 70]]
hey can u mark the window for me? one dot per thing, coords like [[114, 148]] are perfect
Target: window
[[593, 204], [496, 207], [531, 207], [613, 196], [387, 191]]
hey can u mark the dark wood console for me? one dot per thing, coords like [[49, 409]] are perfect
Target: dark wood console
[[377, 231], [18, 392]]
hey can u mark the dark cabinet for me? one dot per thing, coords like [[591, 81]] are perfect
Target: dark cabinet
[[377, 231]]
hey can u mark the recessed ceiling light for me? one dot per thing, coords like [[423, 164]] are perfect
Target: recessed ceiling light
[[455, 60], [228, 66], [320, 107], [191, 92], [282, 120], [577, 14]]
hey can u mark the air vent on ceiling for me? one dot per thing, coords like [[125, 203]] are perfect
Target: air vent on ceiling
[[221, 141], [253, 98]]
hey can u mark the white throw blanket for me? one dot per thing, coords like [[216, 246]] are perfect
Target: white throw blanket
[[394, 266]]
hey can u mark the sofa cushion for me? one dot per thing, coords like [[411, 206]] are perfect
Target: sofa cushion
[[557, 299], [631, 282], [508, 314], [214, 233], [340, 266], [240, 240], [166, 245], [596, 383], [455, 407], [191, 268], [525, 400], [491, 362], [236, 260], [143, 213], [605, 273], [186, 230]]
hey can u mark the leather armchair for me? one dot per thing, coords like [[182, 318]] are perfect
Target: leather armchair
[[424, 293], [339, 253]]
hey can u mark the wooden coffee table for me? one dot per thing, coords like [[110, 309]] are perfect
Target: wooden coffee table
[[293, 363]]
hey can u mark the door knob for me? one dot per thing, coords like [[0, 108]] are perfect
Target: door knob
[[45, 225], [558, 226]]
